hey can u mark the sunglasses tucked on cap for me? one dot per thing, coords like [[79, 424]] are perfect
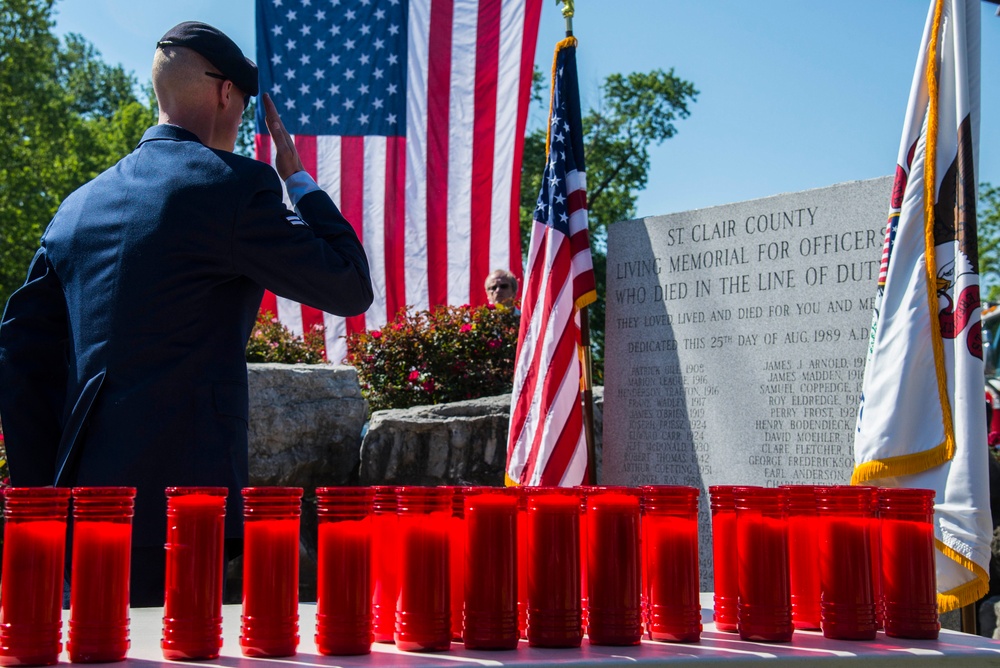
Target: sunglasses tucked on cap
[[217, 49]]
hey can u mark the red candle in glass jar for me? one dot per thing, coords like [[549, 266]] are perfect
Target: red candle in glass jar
[[584, 491], [423, 611], [192, 610], [764, 608], [554, 612], [614, 567], [670, 549], [491, 569], [875, 533], [343, 573], [456, 562], [522, 562], [908, 577], [725, 561], [270, 619], [102, 539], [848, 602], [803, 555], [385, 554], [34, 554]]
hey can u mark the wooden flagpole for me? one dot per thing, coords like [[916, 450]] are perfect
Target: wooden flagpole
[[587, 385]]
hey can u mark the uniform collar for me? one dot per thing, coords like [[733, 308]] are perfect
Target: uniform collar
[[167, 131]]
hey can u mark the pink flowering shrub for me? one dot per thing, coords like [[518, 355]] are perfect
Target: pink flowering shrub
[[430, 357], [273, 342]]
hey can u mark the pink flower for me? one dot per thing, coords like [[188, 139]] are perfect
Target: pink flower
[[274, 321], [493, 343], [376, 334], [465, 328], [317, 327], [428, 385], [414, 376], [491, 307]]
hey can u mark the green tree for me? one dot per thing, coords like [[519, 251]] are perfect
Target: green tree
[[65, 116], [248, 130], [988, 225], [636, 111]]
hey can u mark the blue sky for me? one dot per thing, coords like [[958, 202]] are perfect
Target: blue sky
[[795, 94]]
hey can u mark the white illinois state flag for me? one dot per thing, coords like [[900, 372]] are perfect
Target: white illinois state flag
[[922, 420]]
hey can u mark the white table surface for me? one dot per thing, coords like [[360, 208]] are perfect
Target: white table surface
[[807, 648]]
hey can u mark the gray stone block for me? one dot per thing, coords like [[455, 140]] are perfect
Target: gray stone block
[[305, 424], [462, 443]]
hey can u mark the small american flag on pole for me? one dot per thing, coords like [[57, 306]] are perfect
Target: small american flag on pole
[[547, 444], [411, 115]]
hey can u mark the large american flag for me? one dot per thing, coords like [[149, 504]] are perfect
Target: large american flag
[[411, 115], [546, 443]]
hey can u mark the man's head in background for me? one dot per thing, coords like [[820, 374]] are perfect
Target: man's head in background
[[501, 287]]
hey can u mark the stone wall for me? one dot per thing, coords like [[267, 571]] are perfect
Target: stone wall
[[306, 424], [462, 443]]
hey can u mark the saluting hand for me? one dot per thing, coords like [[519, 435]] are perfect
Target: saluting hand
[[286, 158]]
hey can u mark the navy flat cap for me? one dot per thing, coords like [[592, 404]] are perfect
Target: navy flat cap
[[218, 49]]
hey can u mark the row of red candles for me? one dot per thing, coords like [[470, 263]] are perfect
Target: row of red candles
[[410, 565], [847, 560]]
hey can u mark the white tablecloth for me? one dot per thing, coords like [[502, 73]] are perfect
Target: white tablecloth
[[807, 648]]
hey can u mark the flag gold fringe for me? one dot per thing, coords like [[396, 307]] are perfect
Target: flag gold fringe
[[967, 593], [508, 481], [892, 467], [930, 253], [586, 299]]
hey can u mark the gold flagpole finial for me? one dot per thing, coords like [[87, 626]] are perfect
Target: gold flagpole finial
[[567, 12]]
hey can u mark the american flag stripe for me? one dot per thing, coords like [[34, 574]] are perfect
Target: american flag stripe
[[546, 443], [438, 148], [290, 314], [438, 208], [395, 231], [484, 136], [528, 37], [352, 183], [570, 438], [529, 344], [374, 222], [461, 136], [558, 393]]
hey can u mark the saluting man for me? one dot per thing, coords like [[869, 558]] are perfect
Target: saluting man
[[122, 356]]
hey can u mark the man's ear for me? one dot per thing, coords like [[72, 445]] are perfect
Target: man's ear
[[226, 94]]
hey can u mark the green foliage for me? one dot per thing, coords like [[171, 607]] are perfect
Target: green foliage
[[636, 110], [988, 228], [271, 341], [430, 357], [65, 116], [248, 129]]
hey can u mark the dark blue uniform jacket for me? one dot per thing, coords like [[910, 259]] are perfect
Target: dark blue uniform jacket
[[122, 357]]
